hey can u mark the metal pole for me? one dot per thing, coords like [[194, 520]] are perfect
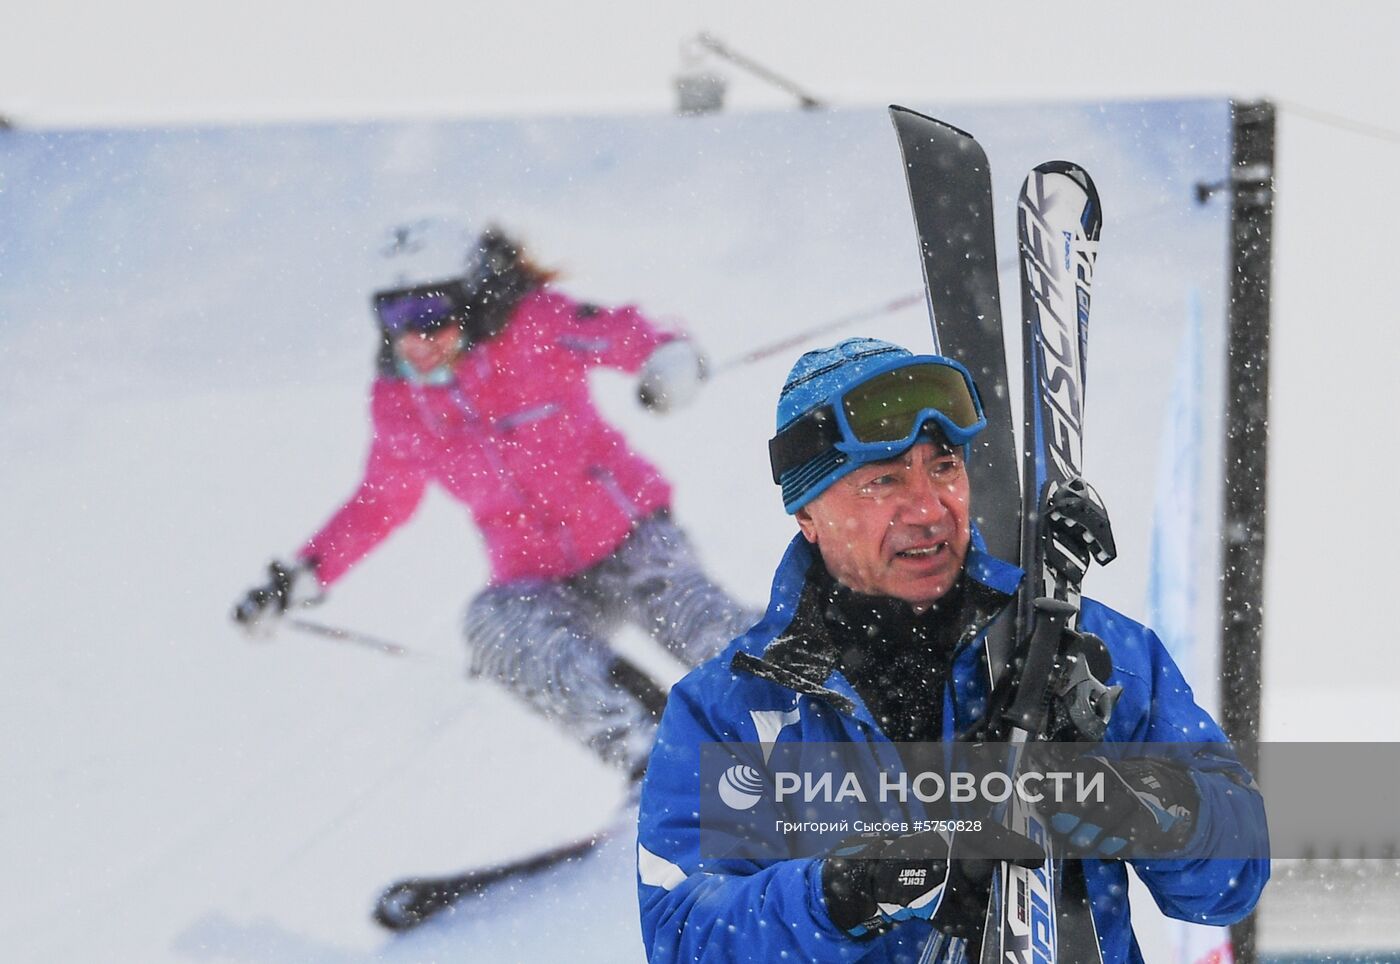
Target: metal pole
[[1246, 442], [720, 49], [792, 341]]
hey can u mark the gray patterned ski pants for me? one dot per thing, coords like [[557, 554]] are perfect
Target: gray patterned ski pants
[[546, 642]]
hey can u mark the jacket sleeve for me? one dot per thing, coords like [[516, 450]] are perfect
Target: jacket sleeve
[[1221, 880], [387, 496], [698, 909], [621, 338]]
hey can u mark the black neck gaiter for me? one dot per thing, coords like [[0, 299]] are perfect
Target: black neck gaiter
[[897, 660]]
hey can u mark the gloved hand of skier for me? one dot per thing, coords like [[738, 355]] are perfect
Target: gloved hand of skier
[[1149, 804], [871, 883], [289, 585], [671, 377]]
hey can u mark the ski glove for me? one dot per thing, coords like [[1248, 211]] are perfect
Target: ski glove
[[671, 377], [288, 586], [871, 883], [1148, 803]]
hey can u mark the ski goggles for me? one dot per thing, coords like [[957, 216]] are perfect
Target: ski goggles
[[420, 308], [876, 418]]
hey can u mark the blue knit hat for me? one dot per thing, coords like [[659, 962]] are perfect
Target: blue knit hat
[[817, 376]]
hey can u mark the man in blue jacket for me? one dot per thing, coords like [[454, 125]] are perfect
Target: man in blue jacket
[[872, 636]]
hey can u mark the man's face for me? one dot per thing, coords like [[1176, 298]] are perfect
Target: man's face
[[895, 528]]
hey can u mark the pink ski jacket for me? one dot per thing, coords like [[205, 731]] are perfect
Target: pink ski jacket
[[552, 487]]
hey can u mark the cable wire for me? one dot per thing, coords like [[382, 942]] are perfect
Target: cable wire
[[1374, 131]]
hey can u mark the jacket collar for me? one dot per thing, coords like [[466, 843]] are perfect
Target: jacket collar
[[804, 655]]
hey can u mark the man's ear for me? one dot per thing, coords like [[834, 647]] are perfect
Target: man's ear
[[807, 524]]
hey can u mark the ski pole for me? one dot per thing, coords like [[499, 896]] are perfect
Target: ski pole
[[350, 636], [773, 348]]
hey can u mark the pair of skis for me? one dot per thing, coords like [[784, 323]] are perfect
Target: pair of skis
[[1047, 680]]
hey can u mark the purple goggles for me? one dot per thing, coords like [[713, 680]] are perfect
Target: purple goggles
[[421, 308]]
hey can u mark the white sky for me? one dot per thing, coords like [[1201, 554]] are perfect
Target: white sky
[[69, 62]]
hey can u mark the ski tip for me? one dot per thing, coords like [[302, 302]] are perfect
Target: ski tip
[[1071, 170], [396, 909], [904, 114], [1076, 174]]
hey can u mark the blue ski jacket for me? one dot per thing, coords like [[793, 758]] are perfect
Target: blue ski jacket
[[772, 685]]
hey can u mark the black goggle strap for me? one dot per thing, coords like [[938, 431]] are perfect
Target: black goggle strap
[[802, 440]]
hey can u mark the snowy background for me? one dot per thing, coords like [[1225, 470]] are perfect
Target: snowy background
[[184, 354], [185, 361]]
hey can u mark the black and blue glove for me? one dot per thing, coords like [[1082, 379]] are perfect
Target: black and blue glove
[[870, 883], [1148, 803]]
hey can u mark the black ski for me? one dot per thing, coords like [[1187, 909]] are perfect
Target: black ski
[[950, 191], [1041, 914], [408, 903]]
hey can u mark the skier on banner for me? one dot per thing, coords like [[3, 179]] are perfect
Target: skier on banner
[[482, 387], [873, 634]]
